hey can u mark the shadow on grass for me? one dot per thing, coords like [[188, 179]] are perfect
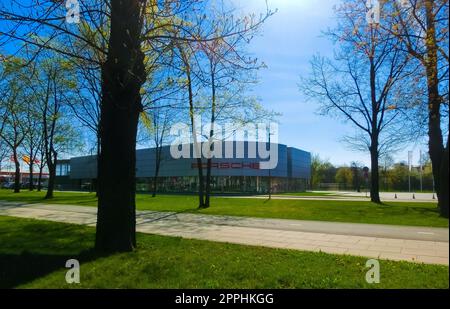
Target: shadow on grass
[[19, 269], [418, 208], [32, 249], [33, 197]]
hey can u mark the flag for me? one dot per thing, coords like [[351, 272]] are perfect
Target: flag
[[26, 159]]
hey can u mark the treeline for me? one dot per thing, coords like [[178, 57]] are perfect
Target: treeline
[[36, 126], [394, 177]]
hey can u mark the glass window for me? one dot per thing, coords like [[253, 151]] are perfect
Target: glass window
[[62, 169]]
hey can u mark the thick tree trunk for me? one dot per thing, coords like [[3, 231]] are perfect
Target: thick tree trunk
[[374, 176], [201, 184], [444, 172], [375, 131], [51, 179], [435, 139], [122, 77], [95, 182]]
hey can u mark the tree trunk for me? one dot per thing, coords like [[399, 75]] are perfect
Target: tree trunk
[[31, 167], [374, 176], [444, 172], [95, 182], [39, 186], [157, 165], [51, 179], [201, 202], [17, 172], [208, 183], [211, 134], [435, 139], [123, 74], [374, 138], [201, 184], [154, 185]]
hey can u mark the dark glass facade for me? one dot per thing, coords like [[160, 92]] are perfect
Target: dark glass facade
[[238, 174]]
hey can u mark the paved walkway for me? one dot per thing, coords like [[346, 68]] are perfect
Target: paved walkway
[[413, 244], [353, 196]]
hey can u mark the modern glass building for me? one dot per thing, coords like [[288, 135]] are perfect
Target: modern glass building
[[240, 169]]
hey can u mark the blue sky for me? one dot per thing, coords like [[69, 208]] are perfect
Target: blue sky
[[288, 41]]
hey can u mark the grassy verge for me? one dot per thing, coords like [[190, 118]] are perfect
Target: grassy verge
[[33, 255], [400, 213]]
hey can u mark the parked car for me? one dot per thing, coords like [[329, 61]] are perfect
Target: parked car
[[8, 185]]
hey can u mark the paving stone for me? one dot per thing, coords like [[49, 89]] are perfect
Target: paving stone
[[332, 249], [432, 260], [381, 248], [398, 257], [252, 231], [364, 253]]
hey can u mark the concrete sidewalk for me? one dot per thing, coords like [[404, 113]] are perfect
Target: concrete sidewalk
[[413, 244], [351, 196]]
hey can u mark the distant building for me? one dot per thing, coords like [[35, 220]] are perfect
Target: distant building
[[239, 174], [9, 177]]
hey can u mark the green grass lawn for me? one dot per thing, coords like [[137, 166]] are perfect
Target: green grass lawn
[[397, 213], [33, 255]]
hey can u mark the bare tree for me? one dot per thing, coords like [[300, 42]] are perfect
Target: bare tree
[[422, 27], [222, 71], [227, 66], [156, 122], [362, 83], [186, 57]]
